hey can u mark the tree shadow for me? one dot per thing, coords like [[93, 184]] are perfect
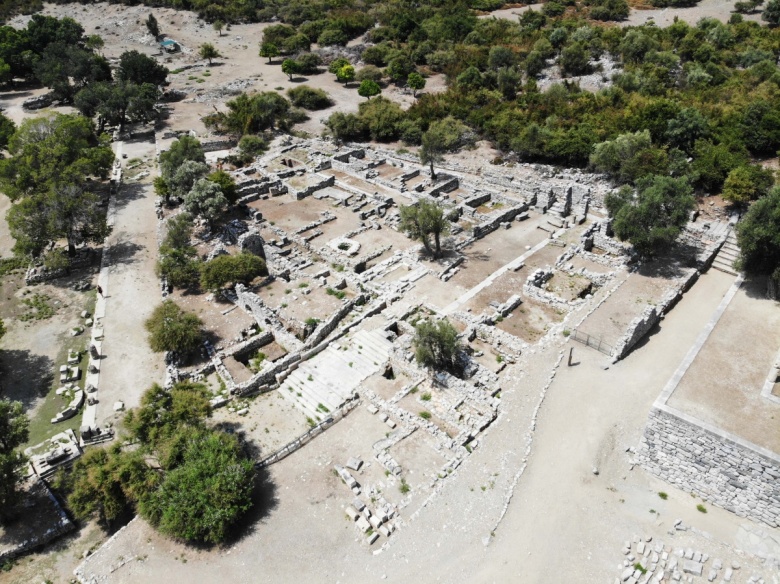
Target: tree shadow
[[128, 193], [124, 252], [755, 286], [671, 264], [264, 502], [25, 377]]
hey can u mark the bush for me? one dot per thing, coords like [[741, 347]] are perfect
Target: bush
[[231, 269], [309, 98], [172, 329], [204, 495], [369, 73]]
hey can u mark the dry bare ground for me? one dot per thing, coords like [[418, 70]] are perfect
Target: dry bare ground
[[564, 523]]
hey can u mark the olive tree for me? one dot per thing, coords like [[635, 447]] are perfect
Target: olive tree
[[423, 220]]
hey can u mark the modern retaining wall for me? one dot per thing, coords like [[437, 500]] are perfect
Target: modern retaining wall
[[724, 470]]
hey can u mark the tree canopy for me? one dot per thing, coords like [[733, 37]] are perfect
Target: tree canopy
[[758, 235], [231, 269], [14, 431], [423, 220], [172, 329], [652, 218], [436, 345], [46, 177]]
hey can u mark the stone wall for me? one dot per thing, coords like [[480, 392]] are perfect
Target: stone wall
[[720, 469], [650, 316], [496, 219]]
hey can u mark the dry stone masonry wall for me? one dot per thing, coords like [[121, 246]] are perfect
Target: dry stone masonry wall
[[714, 467]]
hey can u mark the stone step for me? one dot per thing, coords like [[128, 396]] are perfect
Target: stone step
[[318, 391], [310, 399], [296, 402], [378, 349], [723, 267]]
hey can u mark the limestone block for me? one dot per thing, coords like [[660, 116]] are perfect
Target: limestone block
[[352, 513], [363, 524], [691, 567]]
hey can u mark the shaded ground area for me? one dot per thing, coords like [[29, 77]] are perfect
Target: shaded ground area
[[723, 384]]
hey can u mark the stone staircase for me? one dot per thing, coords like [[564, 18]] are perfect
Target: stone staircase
[[329, 379], [727, 255]]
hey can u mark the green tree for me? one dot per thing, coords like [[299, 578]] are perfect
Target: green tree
[[206, 200], [14, 431], [7, 129], [172, 329], [368, 89], [185, 177], [416, 82], [107, 483], [423, 220], [163, 411], [771, 13], [140, 69], [269, 51], [226, 184], [758, 235], [290, 67], [204, 495], [67, 69], [651, 220], [94, 42], [226, 270], [442, 136], [178, 262], [436, 345], [747, 183], [152, 26], [575, 59], [208, 51], [252, 114], [218, 26], [181, 150], [337, 64], [66, 212], [628, 157], [345, 74]]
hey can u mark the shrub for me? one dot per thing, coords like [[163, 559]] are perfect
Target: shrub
[[663, 495], [206, 493], [309, 98], [425, 415], [231, 269], [172, 329], [701, 508]]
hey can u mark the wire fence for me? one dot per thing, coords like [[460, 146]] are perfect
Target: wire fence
[[307, 437], [591, 341]]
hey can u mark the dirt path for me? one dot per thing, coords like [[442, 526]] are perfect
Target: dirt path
[[131, 292]]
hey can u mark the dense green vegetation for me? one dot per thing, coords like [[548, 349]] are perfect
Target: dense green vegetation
[[226, 270], [436, 345], [172, 329], [188, 480], [14, 431]]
